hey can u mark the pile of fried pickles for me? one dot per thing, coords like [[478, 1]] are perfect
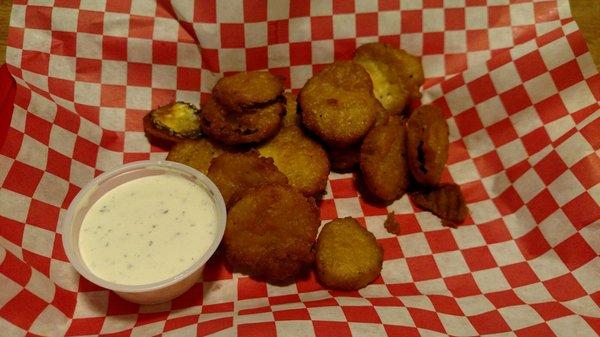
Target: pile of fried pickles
[[270, 154]]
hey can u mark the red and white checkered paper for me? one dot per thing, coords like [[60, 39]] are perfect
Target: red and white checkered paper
[[514, 78]]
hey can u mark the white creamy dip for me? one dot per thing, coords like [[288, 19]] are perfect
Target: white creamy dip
[[147, 230]]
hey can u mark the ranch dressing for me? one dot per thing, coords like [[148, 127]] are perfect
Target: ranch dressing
[[147, 230]]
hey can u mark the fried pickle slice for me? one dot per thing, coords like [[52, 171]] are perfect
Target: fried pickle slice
[[338, 105], [292, 117], [427, 144], [179, 118], [196, 153], [348, 256], [396, 74], [247, 90], [270, 233], [446, 201], [172, 123], [231, 128], [413, 70], [235, 173], [382, 161], [300, 158], [390, 84]]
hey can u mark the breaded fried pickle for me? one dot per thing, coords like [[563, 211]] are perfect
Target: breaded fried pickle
[[396, 74], [195, 153], [382, 160], [179, 118], [300, 158], [235, 173], [338, 104], [446, 201], [270, 233], [233, 128], [427, 144], [172, 123], [413, 69], [247, 90], [292, 117], [389, 80], [348, 256]]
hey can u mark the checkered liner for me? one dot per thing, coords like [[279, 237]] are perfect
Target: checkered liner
[[514, 78]]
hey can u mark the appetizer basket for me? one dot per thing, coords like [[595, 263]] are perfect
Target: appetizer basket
[[514, 79]]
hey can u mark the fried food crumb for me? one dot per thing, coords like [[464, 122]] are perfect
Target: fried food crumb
[[390, 224]]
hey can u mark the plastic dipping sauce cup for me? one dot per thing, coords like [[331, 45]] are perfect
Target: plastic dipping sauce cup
[[145, 230]]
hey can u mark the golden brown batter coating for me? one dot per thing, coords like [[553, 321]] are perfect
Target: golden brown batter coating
[[270, 233], [427, 144], [235, 173], [348, 256], [338, 104], [196, 153], [300, 158], [382, 161], [247, 90], [233, 128], [413, 69]]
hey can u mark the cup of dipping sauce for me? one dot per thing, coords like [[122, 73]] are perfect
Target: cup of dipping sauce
[[145, 230]]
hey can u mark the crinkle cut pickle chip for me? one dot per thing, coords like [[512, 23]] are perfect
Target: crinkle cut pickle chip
[[445, 200]]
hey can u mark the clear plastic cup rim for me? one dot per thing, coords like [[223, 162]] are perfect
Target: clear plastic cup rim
[[69, 236]]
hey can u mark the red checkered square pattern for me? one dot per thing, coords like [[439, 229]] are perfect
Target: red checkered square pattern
[[514, 78]]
